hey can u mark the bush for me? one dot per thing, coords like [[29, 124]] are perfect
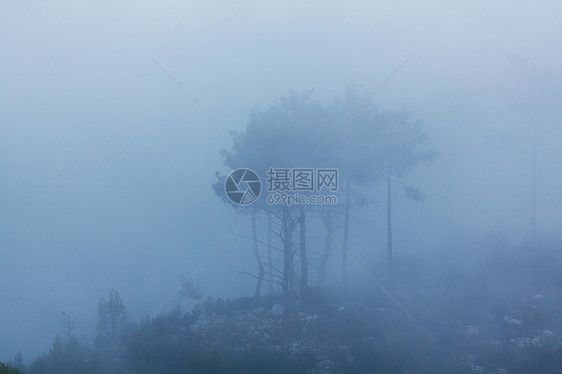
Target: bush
[[5, 369]]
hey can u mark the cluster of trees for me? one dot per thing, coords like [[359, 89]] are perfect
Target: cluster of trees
[[366, 145], [163, 344], [68, 355], [5, 369]]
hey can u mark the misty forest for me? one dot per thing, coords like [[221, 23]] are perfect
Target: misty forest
[[280, 187]]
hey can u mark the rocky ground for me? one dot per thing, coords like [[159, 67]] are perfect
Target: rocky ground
[[362, 331]]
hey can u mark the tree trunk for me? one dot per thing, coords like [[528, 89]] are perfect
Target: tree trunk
[[286, 250], [345, 235], [291, 250], [327, 246], [257, 254], [302, 249], [269, 256], [287, 264], [389, 223]]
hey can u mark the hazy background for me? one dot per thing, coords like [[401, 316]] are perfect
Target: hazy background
[[106, 165]]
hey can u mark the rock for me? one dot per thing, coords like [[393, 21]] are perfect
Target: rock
[[521, 342], [199, 325], [512, 321], [324, 365], [261, 310], [477, 368], [278, 310], [547, 334], [548, 338], [472, 330], [311, 318]]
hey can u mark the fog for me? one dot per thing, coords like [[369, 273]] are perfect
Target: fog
[[106, 164]]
